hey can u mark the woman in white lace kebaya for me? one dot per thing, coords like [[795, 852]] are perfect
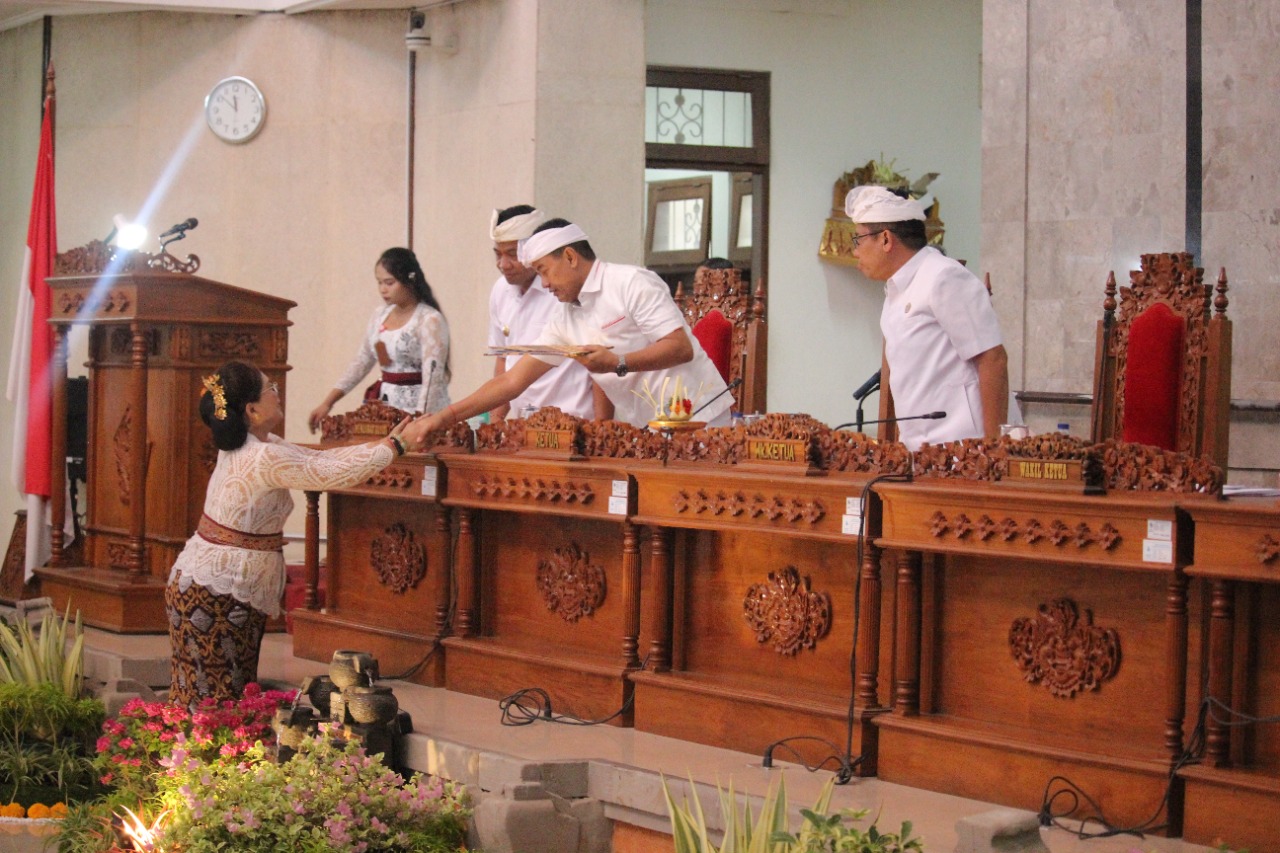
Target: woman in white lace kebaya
[[407, 337], [230, 576]]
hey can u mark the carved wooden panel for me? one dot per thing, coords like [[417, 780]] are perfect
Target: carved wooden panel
[[97, 257], [217, 344], [119, 555], [122, 452], [1032, 530], [532, 488], [1267, 548], [1063, 652], [121, 341], [208, 453], [111, 302], [734, 504], [392, 477], [784, 612], [570, 585], [398, 559]]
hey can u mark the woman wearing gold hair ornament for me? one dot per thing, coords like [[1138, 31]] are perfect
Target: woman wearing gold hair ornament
[[230, 576]]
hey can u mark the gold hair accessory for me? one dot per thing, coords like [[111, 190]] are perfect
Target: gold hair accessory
[[213, 385]]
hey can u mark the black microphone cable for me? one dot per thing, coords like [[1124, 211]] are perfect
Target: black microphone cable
[[529, 705]]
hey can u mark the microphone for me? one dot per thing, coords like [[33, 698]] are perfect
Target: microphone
[[181, 228], [867, 387], [931, 416], [431, 378], [734, 384]]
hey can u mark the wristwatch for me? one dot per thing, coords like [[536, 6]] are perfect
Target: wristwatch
[[622, 369]]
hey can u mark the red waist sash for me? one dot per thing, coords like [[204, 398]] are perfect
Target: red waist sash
[[414, 378], [219, 534]]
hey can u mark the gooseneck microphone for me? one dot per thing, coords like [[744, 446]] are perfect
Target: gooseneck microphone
[[867, 387], [931, 416], [181, 228], [734, 384]]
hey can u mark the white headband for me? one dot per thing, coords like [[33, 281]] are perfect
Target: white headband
[[519, 227], [876, 204], [545, 242]]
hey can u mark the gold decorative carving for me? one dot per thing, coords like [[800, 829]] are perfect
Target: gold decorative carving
[[569, 584], [216, 344], [837, 236], [532, 488], [1063, 652], [398, 559], [392, 477], [734, 504], [1267, 548], [1056, 532], [785, 612]]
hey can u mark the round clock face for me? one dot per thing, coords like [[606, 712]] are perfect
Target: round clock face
[[235, 109]]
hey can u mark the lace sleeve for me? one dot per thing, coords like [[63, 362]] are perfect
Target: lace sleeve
[[364, 359], [289, 466], [433, 336]]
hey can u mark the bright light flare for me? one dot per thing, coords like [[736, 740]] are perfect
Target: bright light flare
[[142, 837], [129, 235]]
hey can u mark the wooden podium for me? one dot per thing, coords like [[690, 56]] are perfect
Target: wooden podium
[[155, 330]]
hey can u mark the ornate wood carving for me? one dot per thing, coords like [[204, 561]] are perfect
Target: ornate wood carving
[[618, 440], [280, 345], [786, 613], [96, 258], [1063, 652], [734, 504], [392, 477], [532, 488], [121, 447], [111, 302], [375, 418], [217, 344], [180, 344], [726, 292], [570, 584], [500, 436], [120, 341], [119, 556], [398, 559], [1267, 548], [1115, 464], [208, 453], [1056, 532]]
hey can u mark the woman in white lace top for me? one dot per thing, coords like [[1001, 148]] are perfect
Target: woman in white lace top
[[407, 337], [230, 576]]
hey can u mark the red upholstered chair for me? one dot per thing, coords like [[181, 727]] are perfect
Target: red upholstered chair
[[1163, 371], [728, 320]]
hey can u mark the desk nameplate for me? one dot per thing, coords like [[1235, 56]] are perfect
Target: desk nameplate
[[551, 444], [781, 455], [1065, 474]]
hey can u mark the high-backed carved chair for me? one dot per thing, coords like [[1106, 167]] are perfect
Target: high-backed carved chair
[[1163, 361], [728, 320]]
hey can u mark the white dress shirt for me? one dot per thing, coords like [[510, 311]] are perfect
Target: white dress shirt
[[627, 308], [516, 318]]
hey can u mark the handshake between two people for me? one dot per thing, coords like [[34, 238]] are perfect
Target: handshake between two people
[[414, 433]]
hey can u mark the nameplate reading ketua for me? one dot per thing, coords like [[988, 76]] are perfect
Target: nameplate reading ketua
[[553, 443]]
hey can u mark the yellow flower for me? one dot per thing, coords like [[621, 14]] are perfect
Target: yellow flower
[[38, 811], [12, 810], [58, 811]]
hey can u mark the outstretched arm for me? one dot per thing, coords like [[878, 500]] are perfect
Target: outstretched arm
[[499, 390], [993, 386]]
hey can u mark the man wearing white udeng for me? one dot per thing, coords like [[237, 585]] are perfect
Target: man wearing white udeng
[[627, 323], [519, 306]]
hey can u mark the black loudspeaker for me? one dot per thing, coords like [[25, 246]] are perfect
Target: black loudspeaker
[[77, 423]]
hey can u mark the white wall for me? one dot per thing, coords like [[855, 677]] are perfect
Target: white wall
[[851, 80]]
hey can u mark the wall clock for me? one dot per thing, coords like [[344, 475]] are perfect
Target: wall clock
[[235, 109]]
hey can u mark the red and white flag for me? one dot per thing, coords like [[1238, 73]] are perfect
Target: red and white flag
[[30, 387]]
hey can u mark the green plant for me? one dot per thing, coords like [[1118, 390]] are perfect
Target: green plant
[[45, 740], [767, 832], [34, 657], [330, 796]]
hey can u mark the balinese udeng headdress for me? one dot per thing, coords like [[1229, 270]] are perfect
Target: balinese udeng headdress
[[870, 203], [518, 227], [545, 242], [213, 384]]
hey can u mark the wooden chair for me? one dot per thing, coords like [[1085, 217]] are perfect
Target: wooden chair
[[729, 322], [1163, 362]]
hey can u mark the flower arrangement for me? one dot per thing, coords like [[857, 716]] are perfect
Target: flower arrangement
[[677, 405], [330, 796]]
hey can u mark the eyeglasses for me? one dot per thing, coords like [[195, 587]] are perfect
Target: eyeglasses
[[271, 386], [857, 237]]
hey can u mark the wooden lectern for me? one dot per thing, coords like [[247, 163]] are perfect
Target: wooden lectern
[[155, 330]]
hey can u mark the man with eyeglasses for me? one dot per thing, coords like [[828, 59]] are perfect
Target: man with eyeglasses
[[942, 345]]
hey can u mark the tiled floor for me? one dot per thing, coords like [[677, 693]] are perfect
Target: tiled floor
[[445, 721]]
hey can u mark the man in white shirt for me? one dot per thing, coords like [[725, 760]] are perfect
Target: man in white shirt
[[625, 320], [519, 306], [942, 345]]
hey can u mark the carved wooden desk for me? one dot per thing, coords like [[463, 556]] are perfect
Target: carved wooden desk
[[388, 558], [1234, 793], [1039, 633]]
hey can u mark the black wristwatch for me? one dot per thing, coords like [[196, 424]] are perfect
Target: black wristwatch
[[622, 369]]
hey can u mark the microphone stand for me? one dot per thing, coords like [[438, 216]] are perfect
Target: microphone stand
[[734, 384], [931, 416], [858, 421]]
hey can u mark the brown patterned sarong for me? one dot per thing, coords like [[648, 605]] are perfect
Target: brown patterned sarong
[[216, 640]]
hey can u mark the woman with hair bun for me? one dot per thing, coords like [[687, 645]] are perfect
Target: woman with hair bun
[[230, 576], [408, 337]]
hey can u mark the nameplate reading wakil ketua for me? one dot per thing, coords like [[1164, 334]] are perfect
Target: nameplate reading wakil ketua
[[553, 443], [1047, 472], [778, 452]]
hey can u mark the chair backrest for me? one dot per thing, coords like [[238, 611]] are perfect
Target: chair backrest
[[1163, 362], [728, 320]]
